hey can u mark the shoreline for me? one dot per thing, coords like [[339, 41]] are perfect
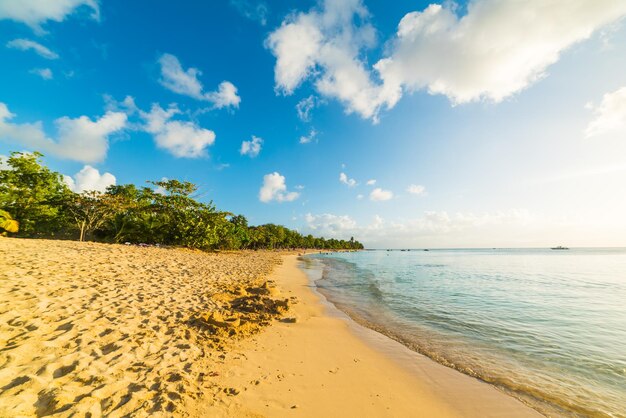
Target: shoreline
[[113, 330], [328, 365], [363, 326]]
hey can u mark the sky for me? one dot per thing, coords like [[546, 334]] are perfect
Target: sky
[[406, 124]]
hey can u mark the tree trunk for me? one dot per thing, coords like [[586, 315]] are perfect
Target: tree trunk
[[82, 231]]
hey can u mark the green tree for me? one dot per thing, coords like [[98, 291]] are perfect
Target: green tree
[[185, 221], [42, 205], [32, 193], [241, 231], [90, 210], [133, 217]]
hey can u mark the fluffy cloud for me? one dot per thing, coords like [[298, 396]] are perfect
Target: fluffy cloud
[[329, 224], [493, 51], [416, 189], [337, 226], [89, 179], [175, 78], [274, 188], [343, 178], [379, 195], [34, 13], [182, 139], [80, 139], [226, 95], [307, 139], [371, 182], [325, 45], [610, 115], [45, 73], [251, 148], [27, 44]]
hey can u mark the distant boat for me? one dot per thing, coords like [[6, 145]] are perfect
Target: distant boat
[[560, 247], [426, 249]]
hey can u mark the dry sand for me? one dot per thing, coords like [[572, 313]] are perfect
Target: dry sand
[[92, 329]]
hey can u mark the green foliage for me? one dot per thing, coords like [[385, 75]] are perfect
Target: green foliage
[[7, 223], [168, 215], [32, 194], [90, 210]]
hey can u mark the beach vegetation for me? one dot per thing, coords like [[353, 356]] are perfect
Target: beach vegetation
[[166, 212], [32, 194], [7, 223]]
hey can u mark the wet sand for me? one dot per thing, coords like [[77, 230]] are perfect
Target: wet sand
[[326, 365]]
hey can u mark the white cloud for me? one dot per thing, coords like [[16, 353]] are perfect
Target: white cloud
[[79, 139], [45, 73], [416, 189], [127, 105], [325, 45], [343, 178], [274, 188], [182, 139], [329, 224], [251, 148], [307, 139], [495, 50], [178, 80], [304, 108], [371, 182], [185, 82], [360, 197], [432, 229], [226, 95], [609, 116], [379, 195], [492, 52], [89, 179], [27, 44], [34, 13]]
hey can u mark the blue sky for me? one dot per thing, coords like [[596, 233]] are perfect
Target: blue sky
[[493, 123]]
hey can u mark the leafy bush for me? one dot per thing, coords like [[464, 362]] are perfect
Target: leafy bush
[[7, 223]]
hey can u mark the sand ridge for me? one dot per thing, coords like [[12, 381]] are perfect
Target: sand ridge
[[94, 329]]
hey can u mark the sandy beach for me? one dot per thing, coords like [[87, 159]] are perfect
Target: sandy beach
[[110, 330]]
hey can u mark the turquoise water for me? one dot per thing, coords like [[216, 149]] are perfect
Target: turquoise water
[[548, 327]]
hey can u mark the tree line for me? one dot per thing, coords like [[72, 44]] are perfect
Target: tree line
[[36, 202]]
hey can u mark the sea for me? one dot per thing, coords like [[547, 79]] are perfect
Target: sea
[[546, 326]]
